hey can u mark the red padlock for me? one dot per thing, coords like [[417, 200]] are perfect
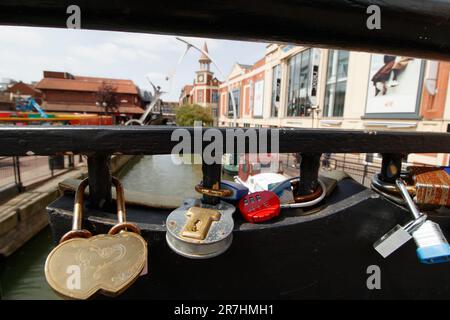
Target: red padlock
[[260, 206]]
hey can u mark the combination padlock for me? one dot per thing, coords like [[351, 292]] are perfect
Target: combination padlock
[[82, 264], [199, 231], [259, 206]]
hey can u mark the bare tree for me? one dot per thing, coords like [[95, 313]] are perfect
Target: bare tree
[[107, 98]]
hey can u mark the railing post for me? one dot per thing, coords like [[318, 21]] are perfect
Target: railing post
[[17, 174], [71, 161], [309, 173], [99, 171], [391, 166], [211, 179]]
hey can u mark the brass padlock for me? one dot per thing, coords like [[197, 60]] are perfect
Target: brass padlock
[[83, 264]]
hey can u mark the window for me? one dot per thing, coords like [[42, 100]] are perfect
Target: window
[[214, 97], [276, 89], [336, 83], [237, 100], [246, 125], [299, 102], [200, 96]]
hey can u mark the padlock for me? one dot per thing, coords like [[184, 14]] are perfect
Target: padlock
[[238, 191], [427, 185], [432, 185], [399, 235], [259, 206], [285, 191], [82, 265], [198, 230], [432, 247]]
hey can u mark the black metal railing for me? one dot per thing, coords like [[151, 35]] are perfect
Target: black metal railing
[[422, 30], [99, 143]]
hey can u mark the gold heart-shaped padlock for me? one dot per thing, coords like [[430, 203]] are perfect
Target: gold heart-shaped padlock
[[81, 264]]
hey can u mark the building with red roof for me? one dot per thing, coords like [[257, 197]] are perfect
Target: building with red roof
[[64, 92]]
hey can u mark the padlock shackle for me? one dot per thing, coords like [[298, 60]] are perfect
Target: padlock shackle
[[78, 232], [409, 201], [120, 200], [78, 207]]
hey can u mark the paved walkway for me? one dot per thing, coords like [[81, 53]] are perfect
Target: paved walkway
[[33, 169], [24, 216]]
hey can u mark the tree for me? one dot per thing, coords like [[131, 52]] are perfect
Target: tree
[[188, 113], [107, 98]]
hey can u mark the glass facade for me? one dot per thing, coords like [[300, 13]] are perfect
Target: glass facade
[[276, 90], [336, 83], [299, 71]]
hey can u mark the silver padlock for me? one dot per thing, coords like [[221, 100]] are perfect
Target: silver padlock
[[399, 235], [200, 231]]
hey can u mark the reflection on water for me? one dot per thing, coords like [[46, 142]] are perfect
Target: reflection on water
[[159, 175], [22, 274]]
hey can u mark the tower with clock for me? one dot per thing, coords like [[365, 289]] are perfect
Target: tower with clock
[[204, 90]]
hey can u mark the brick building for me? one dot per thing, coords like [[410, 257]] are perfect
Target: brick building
[[303, 87], [64, 92]]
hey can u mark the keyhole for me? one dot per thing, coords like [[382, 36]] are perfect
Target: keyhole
[[196, 225]]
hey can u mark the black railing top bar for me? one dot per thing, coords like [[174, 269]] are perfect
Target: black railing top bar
[[91, 140], [408, 27]]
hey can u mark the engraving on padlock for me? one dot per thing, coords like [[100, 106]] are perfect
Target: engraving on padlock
[[82, 265], [199, 231], [432, 246]]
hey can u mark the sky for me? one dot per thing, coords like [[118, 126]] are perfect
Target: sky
[[25, 52]]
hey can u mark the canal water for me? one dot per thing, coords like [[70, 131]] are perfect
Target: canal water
[[22, 274]]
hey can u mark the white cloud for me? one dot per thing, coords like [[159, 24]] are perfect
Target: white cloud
[[26, 52], [109, 53], [20, 37]]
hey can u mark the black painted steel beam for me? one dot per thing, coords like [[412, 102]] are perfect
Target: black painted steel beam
[[41, 140], [99, 171], [408, 27]]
